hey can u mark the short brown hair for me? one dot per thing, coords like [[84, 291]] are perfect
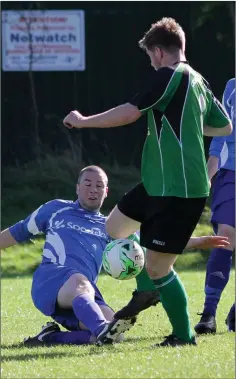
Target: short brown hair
[[92, 169], [166, 33]]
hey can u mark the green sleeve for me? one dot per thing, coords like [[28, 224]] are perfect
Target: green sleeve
[[217, 116]]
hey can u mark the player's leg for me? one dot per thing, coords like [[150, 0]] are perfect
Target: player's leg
[[120, 226], [78, 293], [173, 296], [163, 231], [230, 320], [220, 260], [78, 333], [55, 284], [165, 235], [123, 221], [51, 334]]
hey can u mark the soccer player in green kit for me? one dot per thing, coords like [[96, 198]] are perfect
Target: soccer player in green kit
[[169, 201]]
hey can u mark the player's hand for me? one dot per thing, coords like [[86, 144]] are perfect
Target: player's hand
[[210, 242], [73, 120]]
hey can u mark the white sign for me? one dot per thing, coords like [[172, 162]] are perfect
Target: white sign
[[50, 40]]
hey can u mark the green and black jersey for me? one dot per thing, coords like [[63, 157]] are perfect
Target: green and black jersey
[[178, 103]]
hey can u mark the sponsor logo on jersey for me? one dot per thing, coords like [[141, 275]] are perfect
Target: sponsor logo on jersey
[[69, 225]]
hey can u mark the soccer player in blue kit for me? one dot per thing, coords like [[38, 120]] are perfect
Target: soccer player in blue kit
[[64, 284], [221, 159]]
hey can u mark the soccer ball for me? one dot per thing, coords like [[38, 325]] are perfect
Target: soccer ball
[[123, 259]]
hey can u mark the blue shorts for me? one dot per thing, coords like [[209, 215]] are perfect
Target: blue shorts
[[223, 199], [47, 281]]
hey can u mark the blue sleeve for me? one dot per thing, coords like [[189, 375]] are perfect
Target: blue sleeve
[[218, 142], [216, 146], [35, 223], [226, 95]]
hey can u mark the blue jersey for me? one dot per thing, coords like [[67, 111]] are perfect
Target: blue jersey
[[224, 147], [75, 237]]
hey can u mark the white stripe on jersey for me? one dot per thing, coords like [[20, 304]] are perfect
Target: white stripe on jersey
[[54, 214], [56, 242], [32, 226], [48, 254], [224, 154]]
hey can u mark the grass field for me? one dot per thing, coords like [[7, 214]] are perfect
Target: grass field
[[213, 357]]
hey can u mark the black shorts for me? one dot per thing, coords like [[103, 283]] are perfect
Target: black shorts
[[167, 223]]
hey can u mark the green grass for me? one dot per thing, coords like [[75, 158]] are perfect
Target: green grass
[[134, 358]]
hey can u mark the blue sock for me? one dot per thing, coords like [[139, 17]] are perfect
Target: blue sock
[[231, 314], [81, 337], [217, 276], [89, 312]]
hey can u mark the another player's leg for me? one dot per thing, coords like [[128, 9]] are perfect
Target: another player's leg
[[217, 277], [119, 225], [145, 296], [78, 334], [230, 320], [172, 235], [173, 297], [79, 294], [51, 334], [220, 260]]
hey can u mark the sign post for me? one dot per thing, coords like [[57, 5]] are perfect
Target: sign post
[[43, 40]]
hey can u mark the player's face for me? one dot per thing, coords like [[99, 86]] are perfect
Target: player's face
[[92, 190], [155, 56]]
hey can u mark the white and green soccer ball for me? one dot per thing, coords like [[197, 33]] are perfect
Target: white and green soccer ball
[[123, 259]]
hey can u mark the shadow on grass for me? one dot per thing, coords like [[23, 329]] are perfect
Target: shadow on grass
[[20, 345], [27, 357], [80, 350]]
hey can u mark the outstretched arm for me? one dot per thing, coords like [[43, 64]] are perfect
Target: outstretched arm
[[121, 115], [6, 239], [207, 242], [26, 229]]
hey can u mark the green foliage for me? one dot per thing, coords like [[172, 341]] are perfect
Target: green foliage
[[209, 12], [21, 259], [134, 358]]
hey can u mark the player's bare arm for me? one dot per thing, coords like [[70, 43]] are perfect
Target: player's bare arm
[[6, 239], [122, 115], [212, 166], [207, 242], [210, 131]]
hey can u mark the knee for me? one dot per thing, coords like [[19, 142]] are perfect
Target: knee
[[82, 285], [158, 265], [76, 285], [156, 272]]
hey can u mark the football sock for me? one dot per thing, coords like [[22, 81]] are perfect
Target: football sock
[[231, 314], [66, 318], [144, 282], [80, 337], [217, 276], [174, 300], [89, 312]]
